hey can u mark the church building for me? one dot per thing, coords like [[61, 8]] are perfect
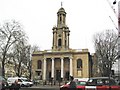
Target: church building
[[61, 61]]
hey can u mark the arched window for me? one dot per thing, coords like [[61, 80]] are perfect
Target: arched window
[[39, 64], [79, 64], [59, 42]]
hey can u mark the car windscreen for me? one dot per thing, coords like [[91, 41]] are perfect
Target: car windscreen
[[25, 80], [81, 83], [2, 79]]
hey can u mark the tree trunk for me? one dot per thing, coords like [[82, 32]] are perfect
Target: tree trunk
[[3, 69], [3, 64]]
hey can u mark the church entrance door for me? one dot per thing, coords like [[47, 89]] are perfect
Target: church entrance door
[[58, 75], [67, 75]]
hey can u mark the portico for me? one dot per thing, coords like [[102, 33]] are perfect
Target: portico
[[58, 65]]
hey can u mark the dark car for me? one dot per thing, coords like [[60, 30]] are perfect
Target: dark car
[[3, 84], [102, 83]]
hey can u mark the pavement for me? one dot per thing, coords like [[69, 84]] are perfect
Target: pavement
[[45, 86], [42, 87]]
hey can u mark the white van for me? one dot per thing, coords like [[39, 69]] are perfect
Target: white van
[[22, 81], [26, 82]]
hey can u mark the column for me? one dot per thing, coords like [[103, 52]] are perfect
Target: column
[[52, 68], [71, 69], [67, 42], [44, 71], [54, 37], [63, 40], [62, 66]]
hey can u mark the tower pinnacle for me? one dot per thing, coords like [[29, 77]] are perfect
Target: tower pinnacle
[[61, 4]]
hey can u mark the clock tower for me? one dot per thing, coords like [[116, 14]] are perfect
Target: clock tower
[[61, 32]]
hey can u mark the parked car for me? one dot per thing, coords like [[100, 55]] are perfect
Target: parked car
[[22, 81], [102, 83], [96, 83], [29, 82], [11, 80], [79, 84], [3, 84]]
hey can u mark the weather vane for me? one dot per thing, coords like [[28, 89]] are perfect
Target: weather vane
[[61, 4]]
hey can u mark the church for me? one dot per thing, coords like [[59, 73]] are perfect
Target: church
[[61, 62]]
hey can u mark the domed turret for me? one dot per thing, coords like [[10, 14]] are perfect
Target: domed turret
[[61, 17], [61, 10]]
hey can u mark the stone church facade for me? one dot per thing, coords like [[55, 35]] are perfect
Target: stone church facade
[[61, 61]]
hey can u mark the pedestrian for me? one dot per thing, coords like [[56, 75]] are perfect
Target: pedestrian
[[119, 83], [72, 84], [15, 86]]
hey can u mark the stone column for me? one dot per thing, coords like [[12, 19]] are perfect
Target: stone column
[[44, 71], [62, 67], [71, 67], [63, 40], [67, 42], [54, 38], [52, 76]]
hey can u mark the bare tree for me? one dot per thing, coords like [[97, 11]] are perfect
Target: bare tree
[[106, 50], [35, 48], [29, 65], [10, 33], [29, 50], [28, 61], [20, 56]]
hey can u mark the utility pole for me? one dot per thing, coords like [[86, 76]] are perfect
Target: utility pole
[[118, 17], [119, 40]]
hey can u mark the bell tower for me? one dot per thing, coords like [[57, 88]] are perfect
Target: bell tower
[[61, 32]]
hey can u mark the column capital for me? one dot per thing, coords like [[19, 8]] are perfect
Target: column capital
[[70, 57], [61, 57], [44, 58], [52, 58]]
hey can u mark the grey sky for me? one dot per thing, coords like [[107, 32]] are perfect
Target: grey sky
[[84, 19]]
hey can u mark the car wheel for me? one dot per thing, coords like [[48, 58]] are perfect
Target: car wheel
[[22, 85]]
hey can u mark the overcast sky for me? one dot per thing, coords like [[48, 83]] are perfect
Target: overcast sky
[[84, 19]]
